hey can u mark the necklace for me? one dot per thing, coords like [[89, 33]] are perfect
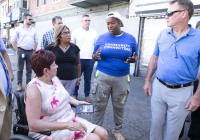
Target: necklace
[[65, 48]]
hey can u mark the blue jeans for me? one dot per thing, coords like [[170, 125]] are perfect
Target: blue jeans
[[86, 69]]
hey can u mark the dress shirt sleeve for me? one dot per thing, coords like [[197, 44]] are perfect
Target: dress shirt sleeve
[[73, 37], [14, 36], [35, 37]]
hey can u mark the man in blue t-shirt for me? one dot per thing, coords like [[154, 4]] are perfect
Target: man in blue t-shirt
[[176, 61]]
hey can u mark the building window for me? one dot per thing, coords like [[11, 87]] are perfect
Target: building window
[[17, 4], [25, 4], [44, 2], [5, 9], [36, 3]]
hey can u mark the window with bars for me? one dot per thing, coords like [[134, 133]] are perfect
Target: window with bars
[[17, 4], [25, 4]]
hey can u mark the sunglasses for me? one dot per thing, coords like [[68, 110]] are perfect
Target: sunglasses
[[66, 33], [170, 13]]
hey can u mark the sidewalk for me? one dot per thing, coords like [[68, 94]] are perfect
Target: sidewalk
[[137, 114]]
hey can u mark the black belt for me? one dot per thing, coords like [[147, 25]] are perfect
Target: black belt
[[24, 49], [175, 86]]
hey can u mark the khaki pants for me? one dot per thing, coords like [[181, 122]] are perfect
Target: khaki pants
[[168, 111], [105, 86], [5, 116]]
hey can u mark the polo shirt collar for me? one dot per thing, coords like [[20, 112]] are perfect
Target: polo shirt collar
[[191, 31]]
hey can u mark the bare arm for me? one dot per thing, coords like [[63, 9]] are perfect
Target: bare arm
[[35, 47], [14, 44], [151, 70], [78, 69], [8, 63], [76, 102], [33, 112]]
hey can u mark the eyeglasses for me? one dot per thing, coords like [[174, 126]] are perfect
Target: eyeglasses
[[170, 13], [66, 33]]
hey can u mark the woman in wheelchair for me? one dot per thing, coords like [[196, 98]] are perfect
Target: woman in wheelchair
[[48, 105]]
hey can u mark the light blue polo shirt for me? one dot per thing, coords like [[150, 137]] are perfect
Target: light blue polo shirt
[[178, 59]]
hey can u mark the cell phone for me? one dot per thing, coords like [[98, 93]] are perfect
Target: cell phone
[[84, 108]]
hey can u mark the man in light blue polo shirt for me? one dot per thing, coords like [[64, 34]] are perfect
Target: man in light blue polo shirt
[[176, 58]]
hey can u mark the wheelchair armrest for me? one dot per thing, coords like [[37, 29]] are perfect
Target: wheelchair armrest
[[25, 127]]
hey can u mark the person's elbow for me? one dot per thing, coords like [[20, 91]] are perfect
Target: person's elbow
[[33, 126]]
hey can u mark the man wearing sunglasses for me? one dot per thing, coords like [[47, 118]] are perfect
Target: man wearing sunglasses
[[24, 41], [175, 59]]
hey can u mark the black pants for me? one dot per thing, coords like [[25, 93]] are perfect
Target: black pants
[[194, 130]]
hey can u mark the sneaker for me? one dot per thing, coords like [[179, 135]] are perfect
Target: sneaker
[[117, 135]]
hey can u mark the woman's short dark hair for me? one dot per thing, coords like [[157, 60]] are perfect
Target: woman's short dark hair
[[42, 59], [187, 4]]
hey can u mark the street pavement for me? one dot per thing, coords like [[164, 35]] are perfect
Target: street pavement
[[137, 114]]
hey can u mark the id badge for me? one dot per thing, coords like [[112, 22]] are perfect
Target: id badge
[[23, 55]]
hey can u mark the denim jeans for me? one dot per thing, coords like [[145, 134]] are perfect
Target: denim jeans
[[86, 69]]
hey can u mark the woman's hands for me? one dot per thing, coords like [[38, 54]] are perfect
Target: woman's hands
[[76, 126], [97, 55], [82, 102], [78, 81], [131, 59]]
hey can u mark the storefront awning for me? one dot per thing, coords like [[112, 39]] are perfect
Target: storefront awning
[[91, 3]]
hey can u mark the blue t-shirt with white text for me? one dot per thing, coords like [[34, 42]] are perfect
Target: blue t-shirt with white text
[[114, 52]]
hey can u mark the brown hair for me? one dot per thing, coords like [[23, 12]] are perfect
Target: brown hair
[[187, 4], [58, 33], [42, 59]]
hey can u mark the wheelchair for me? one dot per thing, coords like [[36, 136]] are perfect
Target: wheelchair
[[20, 128]]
